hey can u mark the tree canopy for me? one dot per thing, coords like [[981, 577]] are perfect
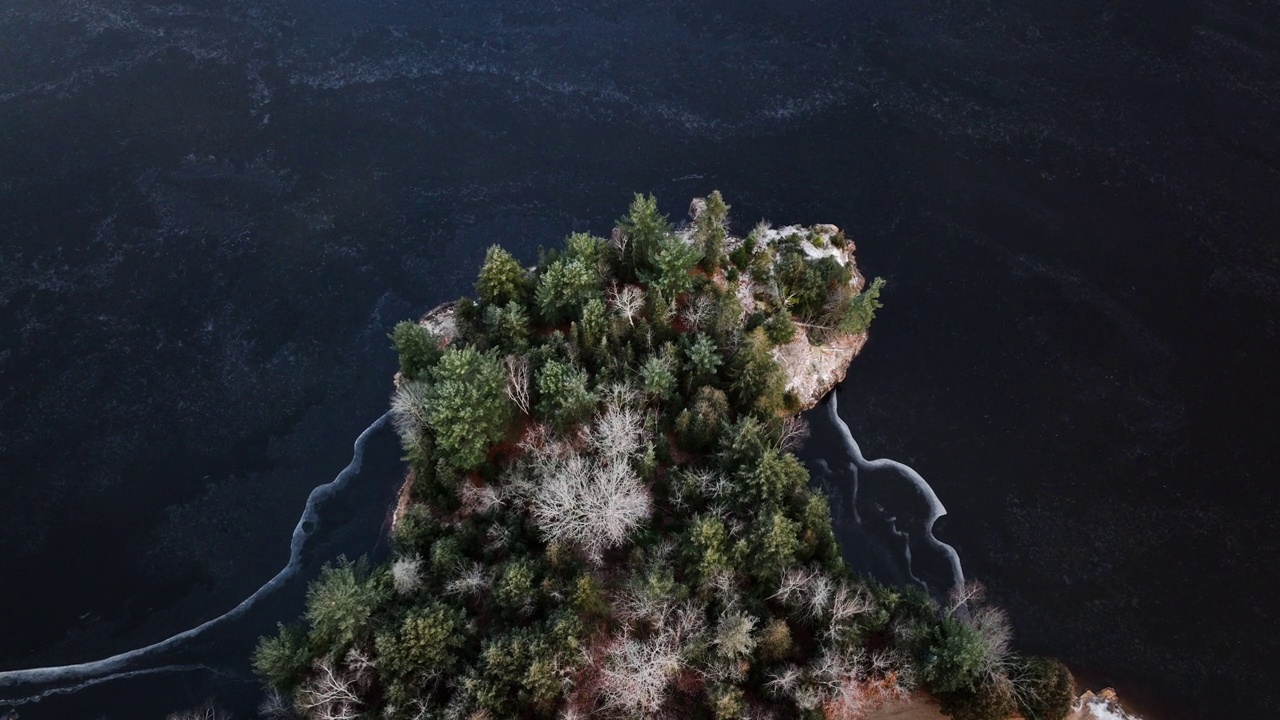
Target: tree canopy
[[605, 516]]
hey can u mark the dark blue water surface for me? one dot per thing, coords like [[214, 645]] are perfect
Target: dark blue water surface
[[211, 213]]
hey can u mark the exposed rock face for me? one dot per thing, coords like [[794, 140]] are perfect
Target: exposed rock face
[[1104, 705], [813, 370]]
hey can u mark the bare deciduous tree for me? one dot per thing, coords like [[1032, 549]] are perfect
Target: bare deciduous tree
[[275, 706], [971, 591], [518, 381], [996, 633], [362, 669], [785, 682], [637, 673], [619, 240], [409, 409], [594, 505], [329, 694], [793, 589], [617, 432], [406, 574], [472, 580], [817, 596], [795, 430], [697, 310], [478, 499], [846, 605], [628, 301]]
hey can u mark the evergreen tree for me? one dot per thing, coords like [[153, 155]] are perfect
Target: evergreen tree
[[758, 382], [779, 328], [856, 313], [340, 605], [704, 359], [565, 287], [502, 279], [424, 645], [644, 228], [417, 348], [508, 327], [467, 407], [698, 425], [953, 658], [283, 659], [771, 546], [565, 398], [711, 226], [671, 266]]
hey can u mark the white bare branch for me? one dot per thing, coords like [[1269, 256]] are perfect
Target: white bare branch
[[594, 505], [792, 590], [275, 706], [817, 597], [636, 673], [784, 683], [472, 580], [406, 574], [627, 301], [619, 240], [848, 604], [329, 695], [795, 430], [362, 669], [697, 310], [518, 381], [478, 499], [969, 592], [618, 432], [409, 409]]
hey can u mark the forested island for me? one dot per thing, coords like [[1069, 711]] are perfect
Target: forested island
[[604, 517]]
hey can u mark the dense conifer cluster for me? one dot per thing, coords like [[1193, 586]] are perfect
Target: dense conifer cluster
[[606, 517]]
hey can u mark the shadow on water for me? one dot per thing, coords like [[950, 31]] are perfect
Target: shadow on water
[[342, 516], [882, 510]]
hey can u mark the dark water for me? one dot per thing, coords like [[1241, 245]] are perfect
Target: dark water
[[211, 213]]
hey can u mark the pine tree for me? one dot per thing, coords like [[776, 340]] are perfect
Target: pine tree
[[644, 228], [468, 407], [502, 278], [417, 348]]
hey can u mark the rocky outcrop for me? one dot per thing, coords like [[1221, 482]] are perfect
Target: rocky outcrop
[[1103, 705]]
